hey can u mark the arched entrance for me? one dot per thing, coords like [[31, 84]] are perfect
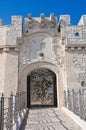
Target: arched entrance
[[46, 65], [41, 88]]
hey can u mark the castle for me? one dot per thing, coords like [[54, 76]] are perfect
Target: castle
[[47, 43]]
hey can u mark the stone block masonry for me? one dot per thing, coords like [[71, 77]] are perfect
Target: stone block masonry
[[42, 42]]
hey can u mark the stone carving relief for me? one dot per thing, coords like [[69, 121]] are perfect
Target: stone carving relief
[[80, 62], [30, 51], [24, 55], [13, 31], [42, 46], [57, 51], [82, 79]]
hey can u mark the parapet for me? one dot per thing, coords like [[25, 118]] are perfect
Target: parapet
[[10, 33], [65, 19], [32, 24], [41, 22], [82, 20], [16, 20]]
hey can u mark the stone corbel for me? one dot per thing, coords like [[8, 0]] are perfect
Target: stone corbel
[[6, 49], [16, 49], [30, 16], [72, 48], [79, 48]]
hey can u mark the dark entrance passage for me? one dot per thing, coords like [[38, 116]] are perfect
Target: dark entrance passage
[[41, 88]]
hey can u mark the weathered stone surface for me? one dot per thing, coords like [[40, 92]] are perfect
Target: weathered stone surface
[[41, 45], [49, 119]]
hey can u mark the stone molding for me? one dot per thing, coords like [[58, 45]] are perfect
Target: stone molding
[[75, 44], [74, 48], [79, 62], [28, 32], [29, 62], [8, 49]]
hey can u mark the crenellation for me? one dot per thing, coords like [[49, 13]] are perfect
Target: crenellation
[[16, 20], [44, 42], [65, 20], [71, 32], [30, 21], [42, 17], [30, 16], [42, 21], [82, 21], [3, 35], [53, 20], [1, 22]]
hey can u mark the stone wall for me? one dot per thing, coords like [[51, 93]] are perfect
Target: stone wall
[[11, 72], [43, 40], [9, 55], [2, 71], [75, 68]]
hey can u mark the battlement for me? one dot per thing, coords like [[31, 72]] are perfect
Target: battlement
[[82, 20], [46, 22], [43, 20], [53, 25], [16, 20], [73, 32], [65, 19], [9, 34]]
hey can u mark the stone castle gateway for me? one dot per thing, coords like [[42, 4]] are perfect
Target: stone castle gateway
[[44, 43]]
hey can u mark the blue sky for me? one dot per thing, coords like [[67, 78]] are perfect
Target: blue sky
[[22, 7]]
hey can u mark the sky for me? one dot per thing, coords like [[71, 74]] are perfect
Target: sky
[[75, 8]]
